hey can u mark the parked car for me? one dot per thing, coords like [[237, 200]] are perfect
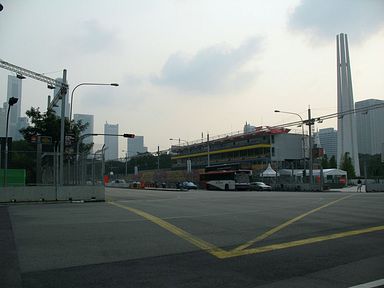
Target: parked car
[[188, 185], [259, 186], [119, 181]]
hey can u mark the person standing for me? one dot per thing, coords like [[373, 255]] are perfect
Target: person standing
[[359, 184]]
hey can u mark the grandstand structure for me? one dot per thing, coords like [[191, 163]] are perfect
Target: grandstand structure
[[252, 149]]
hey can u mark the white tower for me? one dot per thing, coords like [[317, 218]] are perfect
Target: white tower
[[346, 124]]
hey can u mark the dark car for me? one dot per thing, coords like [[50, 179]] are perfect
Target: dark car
[[188, 185], [259, 186]]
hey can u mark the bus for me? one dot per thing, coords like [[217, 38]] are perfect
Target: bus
[[225, 177]]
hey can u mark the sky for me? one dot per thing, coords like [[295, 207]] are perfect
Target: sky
[[187, 67]]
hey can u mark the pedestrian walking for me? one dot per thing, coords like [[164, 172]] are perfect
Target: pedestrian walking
[[359, 184]]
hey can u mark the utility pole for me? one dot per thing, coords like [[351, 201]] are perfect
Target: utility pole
[[310, 123], [208, 156], [158, 157], [62, 127]]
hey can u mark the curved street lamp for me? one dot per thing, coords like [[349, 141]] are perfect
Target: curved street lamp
[[88, 84], [11, 102], [302, 130]]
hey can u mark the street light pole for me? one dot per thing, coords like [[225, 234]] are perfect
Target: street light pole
[[11, 102], [302, 131], [310, 123], [88, 84], [62, 132]]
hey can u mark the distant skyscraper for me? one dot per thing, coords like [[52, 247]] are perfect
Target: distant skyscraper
[[58, 108], [14, 90], [22, 122], [3, 119], [370, 127], [86, 118], [136, 146], [111, 142], [346, 124], [328, 141]]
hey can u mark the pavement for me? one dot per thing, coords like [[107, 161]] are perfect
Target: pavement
[[142, 238]]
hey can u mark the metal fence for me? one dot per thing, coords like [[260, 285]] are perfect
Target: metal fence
[[34, 168]]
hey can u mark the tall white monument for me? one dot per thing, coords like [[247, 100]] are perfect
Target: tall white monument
[[346, 124]]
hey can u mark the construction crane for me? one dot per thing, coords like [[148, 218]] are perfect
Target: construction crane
[[60, 95], [22, 73]]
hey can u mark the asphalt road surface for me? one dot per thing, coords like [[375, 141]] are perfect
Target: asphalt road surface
[[196, 239]]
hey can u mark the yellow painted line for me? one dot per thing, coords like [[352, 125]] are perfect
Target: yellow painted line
[[285, 224], [223, 254], [208, 247], [279, 246]]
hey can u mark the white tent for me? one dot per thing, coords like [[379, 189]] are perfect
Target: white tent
[[269, 172]]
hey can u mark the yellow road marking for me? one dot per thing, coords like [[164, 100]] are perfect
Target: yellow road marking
[[208, 247], [285, 224], [302, 242], [223, 254]]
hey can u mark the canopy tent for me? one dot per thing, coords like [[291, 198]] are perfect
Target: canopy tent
[[269, 172]]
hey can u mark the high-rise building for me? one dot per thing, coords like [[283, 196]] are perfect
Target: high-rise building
[[328, 141], [346, 124], [3, 119], [22, 122], [14, 90], [57, 108], [111, 142], [85, 119], [135, 146], [370, 127]]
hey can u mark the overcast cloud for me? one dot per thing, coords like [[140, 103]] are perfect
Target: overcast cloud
[[214, 69], [93, 37], [323, 19]]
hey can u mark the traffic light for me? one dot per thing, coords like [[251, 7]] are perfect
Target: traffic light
[[129, 135]]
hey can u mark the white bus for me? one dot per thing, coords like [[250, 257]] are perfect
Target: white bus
[[225, 177]]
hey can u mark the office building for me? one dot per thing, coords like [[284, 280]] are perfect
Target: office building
[[346, 123], [3, 119], [328, 141], [86, 119], [111, 142], [13, 90], [370, 126], [136, 146]]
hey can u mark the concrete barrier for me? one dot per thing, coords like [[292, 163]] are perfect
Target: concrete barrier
[[374, 187], [50, 193]]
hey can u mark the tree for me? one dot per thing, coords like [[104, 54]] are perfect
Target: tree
[[41, 160], [325, 162], [332, 162], [49, 124], [346, 165]]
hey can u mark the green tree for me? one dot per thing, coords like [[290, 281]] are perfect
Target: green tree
[[49, 124], [332, 162], [325, 162], [346, 165], [45, 124]]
